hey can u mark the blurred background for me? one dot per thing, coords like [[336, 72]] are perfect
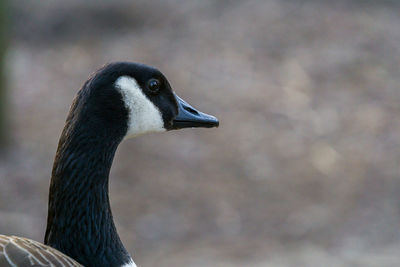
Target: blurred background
[[304, 168]]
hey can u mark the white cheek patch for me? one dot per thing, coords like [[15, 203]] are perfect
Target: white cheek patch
[[144, 116]]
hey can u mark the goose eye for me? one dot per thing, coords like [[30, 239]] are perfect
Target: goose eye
[[153, 85]]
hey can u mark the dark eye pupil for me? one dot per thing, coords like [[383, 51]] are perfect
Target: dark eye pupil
[[154, 85]]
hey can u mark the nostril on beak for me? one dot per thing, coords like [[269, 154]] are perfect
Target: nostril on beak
[[189, 109]]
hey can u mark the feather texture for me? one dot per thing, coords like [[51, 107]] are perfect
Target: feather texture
[[18, 251]]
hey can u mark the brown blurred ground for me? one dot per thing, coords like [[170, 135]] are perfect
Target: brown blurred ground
[[304, 169]]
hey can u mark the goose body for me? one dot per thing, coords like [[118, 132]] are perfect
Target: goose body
[[119, 101]]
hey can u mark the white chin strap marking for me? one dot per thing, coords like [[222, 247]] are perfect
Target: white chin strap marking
[[144, 116]]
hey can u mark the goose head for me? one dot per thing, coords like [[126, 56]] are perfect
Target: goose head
[[138, 99]]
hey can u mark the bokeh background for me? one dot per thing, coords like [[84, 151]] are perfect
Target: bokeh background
[[304, 168]]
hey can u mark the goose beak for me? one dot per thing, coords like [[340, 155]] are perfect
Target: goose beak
[[189, 117]]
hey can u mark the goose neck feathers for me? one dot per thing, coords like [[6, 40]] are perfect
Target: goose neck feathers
[[80, 221]]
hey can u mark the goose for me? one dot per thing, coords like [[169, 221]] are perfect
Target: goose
[[119, 101]]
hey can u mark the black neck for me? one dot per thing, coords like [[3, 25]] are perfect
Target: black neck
[[80, 222]]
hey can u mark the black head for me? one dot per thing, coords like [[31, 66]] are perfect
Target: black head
[[140, 99]]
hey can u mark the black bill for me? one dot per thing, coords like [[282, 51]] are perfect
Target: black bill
[[189, 117]]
